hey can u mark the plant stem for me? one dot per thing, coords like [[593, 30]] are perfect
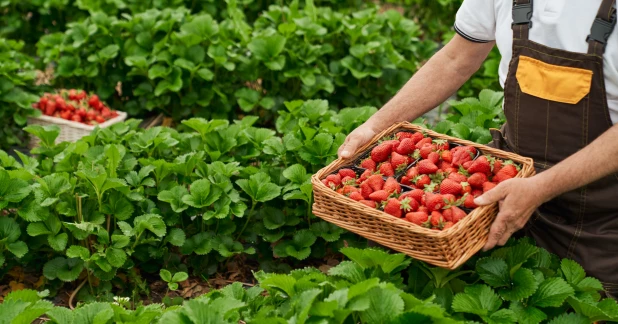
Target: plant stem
[[309, 211], [253, 203], [136, 240]]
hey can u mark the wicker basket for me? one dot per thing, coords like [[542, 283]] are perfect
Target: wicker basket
[[70, 131], [447, 249]]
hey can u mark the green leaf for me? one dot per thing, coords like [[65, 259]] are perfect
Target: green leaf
[[120, 241], [570, 318], [64, 269], [493, 271], [523, 286], [151, 222], [9, 230], [180, 276], [266, 48], [551, 293], [259, 187], [174, 198], [115, 257], [47, 134], [76, 251], [205, 74], [38, 228], [119, 206], [384, 306], [18, 248], [348, 270], [478, 299], [58, 242], [296, 173], [573, 273], [527, 314], [12, 190], [165, 275], [461, 131], [202, 194], [176, 237]]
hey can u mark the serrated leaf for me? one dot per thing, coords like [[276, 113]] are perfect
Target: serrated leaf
[[202, 194], [570, 318], [527, 314], [176, 237], [522, 286], [384, 306], [493, 271], [76, 251], [58, 242], [348, 270], [259, 187], [551, 293], [151, 222], [573, 272], [118, 206], [64, 269], [174, 198], [18, 248], [478, 299], [115, 257]]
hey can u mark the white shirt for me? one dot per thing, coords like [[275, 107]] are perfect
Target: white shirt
[[562, 24]]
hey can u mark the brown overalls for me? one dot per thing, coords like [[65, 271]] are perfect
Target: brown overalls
[[555, 104]]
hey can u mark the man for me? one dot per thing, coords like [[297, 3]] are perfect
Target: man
[[559, 70]]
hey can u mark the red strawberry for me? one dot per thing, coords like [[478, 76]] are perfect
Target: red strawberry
[[447, 214], [365, 190], [349, 190], [50, 108], [356, 196], [443, 165], [348, 181], [434, 201], [403, 135], [334, 179], [386, 169], [447, 225], [449, 186], [381, 152], [391, 185], [434, 157], [410, 204], [466, 188], [457, 177], [463, 154], [449, 198], [406, 181], [347, 173], [488, 186], [508, 171], [379, 196], [393, 143], [417, 137], [376, 182], [417, 194], [423, 209], [412, 172], [393, 207], [368, 164], [422, 142], [368, 203], [497, 166], [469, 202], [66, 115], [450, 170], [476, 192], [365, 176], [442, 145], [421, 181], [447, 156], [406, 146], [99, 119], [476, 180], [76, 118], [437, 220], [418, 218], [399, 161], [458, 214], [426, 167], [340, 191], [325, 182], [467, 164], [93, 101], [480, 165], [426, 150]]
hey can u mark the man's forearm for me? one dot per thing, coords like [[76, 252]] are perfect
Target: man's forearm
[[591, 163], [437, 80]]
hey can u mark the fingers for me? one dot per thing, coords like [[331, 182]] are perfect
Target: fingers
[[496, 232], [496, 194], [348, 147]]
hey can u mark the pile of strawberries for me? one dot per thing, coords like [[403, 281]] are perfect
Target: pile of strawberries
[[75, 105], [431, 183]]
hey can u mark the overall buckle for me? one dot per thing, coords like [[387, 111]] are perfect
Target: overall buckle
[[602, 29], [522, 14]]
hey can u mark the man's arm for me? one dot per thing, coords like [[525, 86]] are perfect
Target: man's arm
[[519, 198], [437, 80]]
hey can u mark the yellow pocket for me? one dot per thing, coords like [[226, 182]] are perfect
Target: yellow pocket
[[553, 82]]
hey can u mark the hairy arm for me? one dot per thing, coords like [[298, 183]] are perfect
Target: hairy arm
[[437, 80]]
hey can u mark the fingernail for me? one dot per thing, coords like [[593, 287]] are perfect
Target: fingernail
[[478, 201], [345, 154]]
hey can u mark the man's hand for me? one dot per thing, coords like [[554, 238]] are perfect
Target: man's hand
[[355, 140], [517, 199]]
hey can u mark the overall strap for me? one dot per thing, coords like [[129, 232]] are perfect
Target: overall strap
[[522, 18], [602, 27]]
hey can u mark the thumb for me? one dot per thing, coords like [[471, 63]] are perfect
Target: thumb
[[349, 147], [491, 196]]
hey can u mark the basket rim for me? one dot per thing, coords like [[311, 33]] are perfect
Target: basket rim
[[69, 123]]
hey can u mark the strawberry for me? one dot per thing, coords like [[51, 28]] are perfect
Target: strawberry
[[66, 115], [458, 214], [368, 203], [417, 194], [72, 94], [340, 191], [412, 173], [393, 143], [347, 173], [449, 186], [379, 196], [391, 185], [410, 204], [437, 220], [421, 181], [335, 179], [381, 152], [457, 177], [348, 181], [393, 207], [426, 167], [50, 108], [426, 150], [480, 165], [447, 225], [61, 104], [76, 118], [325, 182], [447, 156], [406, 146], [462, 154], [99, 119], [469, 202], [364, 176], [399, 161], [476, 192], [423, 209], [417, 137], [476, 180], [406, 181], [418, 218], [356, 196], [403, 135], [433, 201], [450, 170], [497, 166], [349, 190], [386, 169], [447, 214], [422, 142], [365, 190], [442, 145], [466, 188], [443, 165], [467, 164], [508, 171], [375, 182], [368, 164], [488, 186], [93, 101], [434, 157], [449, 199]]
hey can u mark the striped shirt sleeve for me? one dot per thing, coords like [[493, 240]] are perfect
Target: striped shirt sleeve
[[476, 21]]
